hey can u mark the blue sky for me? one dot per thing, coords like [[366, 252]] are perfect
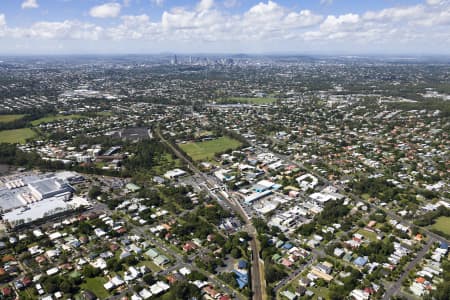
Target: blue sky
[[219, 26]]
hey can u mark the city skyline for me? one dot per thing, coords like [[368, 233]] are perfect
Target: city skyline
[[225, 26]]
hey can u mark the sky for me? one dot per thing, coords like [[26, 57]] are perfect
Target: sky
[[353, 27]]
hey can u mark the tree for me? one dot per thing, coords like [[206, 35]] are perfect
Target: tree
[[148, 279], [196, 275], [66, 286], [94, 192], [185, 290], [236, 253], [273, 274], [90, 272]]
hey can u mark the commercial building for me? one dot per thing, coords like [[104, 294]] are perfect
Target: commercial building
[[29, 198]]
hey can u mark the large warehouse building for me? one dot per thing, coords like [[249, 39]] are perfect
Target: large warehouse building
[[25, 199]]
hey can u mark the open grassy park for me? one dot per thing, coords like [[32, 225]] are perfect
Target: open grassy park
[[53, 118], [206, 150], [442, 224], [16, 135], [10, 118]]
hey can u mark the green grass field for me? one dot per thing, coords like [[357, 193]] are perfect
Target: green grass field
[[151, 265], [165, 164], [95, 285], [10, 118], [442, 224], [371, 236], [104, 113], [248, 100], [49, 119], [16, 135], [205, 150]]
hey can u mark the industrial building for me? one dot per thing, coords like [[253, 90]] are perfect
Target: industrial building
[[28, 198]]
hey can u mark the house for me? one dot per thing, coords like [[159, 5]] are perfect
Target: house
[[276, 257], [189, 246], [131, 274], [132, 187], [241, 278], [6, 291], [289, 295], [161, 260], [286, 262], [242, 264], [338, 252], [52, 271], [325, 267], [184, 271], [307, 181], [99, 232], [361, 261], [287, 246], [305, 282], [359, 295], [124, 254], [152, 253], [443, 246], [158, 180], [320, 274], [417, 289], [175, 173], [99, 263], [145, 294], [211, 291]]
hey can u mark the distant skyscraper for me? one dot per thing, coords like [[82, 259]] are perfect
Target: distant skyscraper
[[174, 60]]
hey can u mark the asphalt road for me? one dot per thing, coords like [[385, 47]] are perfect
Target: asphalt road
[[433, 237], [258, 284], [356, 197], [398, 284]]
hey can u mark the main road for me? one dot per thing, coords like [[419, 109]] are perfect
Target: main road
[[432, 236], [393, 290], [356, 197], [257, 267]]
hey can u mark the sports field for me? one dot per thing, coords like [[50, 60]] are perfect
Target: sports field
[[205, 150], [442, 224], [49, 119], [10, 118], [16, 135]]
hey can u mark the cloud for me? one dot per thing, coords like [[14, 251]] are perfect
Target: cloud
[[435, 2], [134, 28], [2, 25], [333, 23], [158, 2], [107, 10], [2, 21], [396, 14], [205, 5], [29, 4], [66, 30], [326, 2], [265, 26], [231, 3]]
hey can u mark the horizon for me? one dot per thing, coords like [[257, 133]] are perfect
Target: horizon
[[233, 54]]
